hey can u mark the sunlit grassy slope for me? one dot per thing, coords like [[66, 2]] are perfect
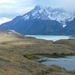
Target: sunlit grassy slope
[[14, 45]]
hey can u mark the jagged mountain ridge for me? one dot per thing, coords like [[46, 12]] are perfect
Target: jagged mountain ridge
[[48, 13], [41, 21]]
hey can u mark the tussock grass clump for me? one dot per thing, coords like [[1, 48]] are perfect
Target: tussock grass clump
[[17, 50], [53, 55]]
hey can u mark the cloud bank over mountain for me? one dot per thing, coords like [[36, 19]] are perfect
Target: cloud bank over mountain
[[11, 8]]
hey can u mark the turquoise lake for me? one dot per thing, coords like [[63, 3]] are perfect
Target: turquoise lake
[[49, 37]]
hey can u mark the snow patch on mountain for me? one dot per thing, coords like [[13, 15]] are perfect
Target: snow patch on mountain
[[48, 13], [26, 17]]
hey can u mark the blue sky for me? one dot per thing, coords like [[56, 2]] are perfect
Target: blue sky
[[12, 8]]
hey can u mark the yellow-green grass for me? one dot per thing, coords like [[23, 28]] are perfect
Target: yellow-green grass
[[12, 48]]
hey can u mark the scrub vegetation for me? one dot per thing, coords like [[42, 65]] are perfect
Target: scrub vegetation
[[53, 55], [15, 49]]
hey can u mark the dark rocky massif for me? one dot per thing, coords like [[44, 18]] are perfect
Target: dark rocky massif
[[43, 21]]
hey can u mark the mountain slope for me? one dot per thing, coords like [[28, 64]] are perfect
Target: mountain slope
[[41, 21], [42, 27], [34, 26], [68, 30]]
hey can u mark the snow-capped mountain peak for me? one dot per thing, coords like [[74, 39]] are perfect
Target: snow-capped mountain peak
[[48, 13]]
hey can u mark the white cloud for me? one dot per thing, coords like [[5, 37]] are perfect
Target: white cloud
[[66, 4], [4, 20], [13, 8], [7, 1], [9, 6]]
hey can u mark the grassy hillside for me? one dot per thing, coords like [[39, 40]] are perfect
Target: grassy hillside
[[13, 47]]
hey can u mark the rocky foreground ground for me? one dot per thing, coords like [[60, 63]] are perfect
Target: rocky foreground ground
[[13, 47]]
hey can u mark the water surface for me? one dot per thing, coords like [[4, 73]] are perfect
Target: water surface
[[68, 62], [49, 37]]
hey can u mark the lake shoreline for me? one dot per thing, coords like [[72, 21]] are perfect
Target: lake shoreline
[[50, 37], [41, 58], [53, 55]]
